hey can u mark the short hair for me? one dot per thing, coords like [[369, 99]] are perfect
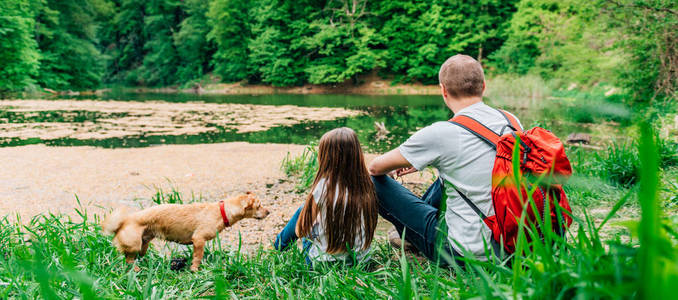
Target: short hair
[[462, 76]]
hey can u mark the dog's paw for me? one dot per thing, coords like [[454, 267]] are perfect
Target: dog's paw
[[177, 264], [137, 269]]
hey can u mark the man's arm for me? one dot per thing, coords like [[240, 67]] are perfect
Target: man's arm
[[388, 162]]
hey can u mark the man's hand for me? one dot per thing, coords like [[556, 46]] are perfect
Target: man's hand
[[404, 171], [392, 160]]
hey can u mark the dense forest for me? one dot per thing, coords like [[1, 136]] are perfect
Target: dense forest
[[84, 44]]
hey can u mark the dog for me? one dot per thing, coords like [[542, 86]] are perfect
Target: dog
[[185, 224]]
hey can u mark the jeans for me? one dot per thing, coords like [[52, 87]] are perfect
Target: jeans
[[418, 217], [288, 236]]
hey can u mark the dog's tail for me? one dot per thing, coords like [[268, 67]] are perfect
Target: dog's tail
[[113, 222]]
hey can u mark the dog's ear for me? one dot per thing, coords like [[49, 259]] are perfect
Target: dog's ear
[[247, 200]]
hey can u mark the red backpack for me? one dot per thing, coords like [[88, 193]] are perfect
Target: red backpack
[[541, 154]]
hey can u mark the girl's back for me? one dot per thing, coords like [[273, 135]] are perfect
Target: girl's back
[[339, 215]]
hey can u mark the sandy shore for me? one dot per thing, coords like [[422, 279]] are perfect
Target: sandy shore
[[37, 179]]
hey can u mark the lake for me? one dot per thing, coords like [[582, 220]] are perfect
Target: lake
[[400, 115]]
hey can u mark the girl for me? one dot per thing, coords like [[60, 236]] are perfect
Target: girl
[[339, 216]]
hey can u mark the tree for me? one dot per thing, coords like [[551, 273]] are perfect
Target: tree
[[340, 44], [273, 51], [191, 42], [562, 40], [124, 40], [422, 34], [161, 60], [67, 38], [650, 28], [230, 30], [18, 50]]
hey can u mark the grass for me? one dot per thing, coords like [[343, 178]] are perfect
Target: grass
[[302, 167], [173, 196], [55, 256], [619, 163]]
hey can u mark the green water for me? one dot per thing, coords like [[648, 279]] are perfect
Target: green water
[[401, 115], [275, 99]]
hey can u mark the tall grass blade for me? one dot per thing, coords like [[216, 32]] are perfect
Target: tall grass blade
[[649, 234]]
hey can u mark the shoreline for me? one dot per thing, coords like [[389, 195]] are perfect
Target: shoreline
[[41, 179], [372, 86]]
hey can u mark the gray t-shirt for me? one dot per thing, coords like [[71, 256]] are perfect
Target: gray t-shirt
[[465, 161]]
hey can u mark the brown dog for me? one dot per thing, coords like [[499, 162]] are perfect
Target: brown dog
[[186, 224]]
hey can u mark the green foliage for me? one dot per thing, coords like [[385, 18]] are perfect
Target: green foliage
[[173, 196], [82, 43], [275, 23], [277, 42], [161, 60], [649, 29], [18, 49], [591, 106], [303, 167], [193, 47], [630, 43], [619, 164], [67, 39], [229, 23], [421, 35], [562, 40], [668, 152], [124, 40]]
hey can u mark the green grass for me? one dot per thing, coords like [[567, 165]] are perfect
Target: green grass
[[619, 163], [302, 167], [54, 256]]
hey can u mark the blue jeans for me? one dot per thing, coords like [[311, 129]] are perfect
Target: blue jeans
[[288, 236], [418, 217]]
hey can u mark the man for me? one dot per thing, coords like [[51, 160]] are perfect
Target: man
[[462, 160]]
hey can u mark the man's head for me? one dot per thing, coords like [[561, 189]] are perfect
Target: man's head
[[461, 77]]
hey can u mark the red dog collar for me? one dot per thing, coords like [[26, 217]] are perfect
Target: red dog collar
[[223, 214]]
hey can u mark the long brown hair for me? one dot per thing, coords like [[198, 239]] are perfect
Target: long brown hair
[[342, 165]]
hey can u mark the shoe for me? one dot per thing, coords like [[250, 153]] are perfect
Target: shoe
[[396, 242]]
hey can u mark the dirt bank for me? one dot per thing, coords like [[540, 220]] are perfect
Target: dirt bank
[[37, 179], [370, 84], [372, 87]]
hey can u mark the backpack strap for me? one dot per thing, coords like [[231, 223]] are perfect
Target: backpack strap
[[478, 129], [485, 134], [511, 120], [471, 204], [488, 136]]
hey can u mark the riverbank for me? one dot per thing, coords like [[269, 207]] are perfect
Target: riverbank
[[38, 179], [368, 86]]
